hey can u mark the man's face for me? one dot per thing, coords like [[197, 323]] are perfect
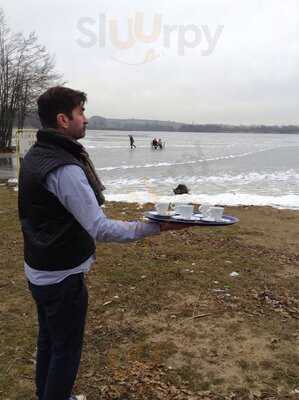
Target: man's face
[[76, 126]]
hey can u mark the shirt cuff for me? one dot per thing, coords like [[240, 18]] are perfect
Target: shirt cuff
[[153, 228]]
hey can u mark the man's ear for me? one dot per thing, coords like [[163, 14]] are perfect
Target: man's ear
[[62, 121]]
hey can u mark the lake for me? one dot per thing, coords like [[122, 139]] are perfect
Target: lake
[[219, 168]]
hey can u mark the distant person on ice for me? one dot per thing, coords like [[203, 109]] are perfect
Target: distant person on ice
[[155, 143], [132, 142]]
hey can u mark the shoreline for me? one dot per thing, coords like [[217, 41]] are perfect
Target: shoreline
[[143, 199]]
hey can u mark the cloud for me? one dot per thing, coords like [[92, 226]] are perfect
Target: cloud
[[251, 76]]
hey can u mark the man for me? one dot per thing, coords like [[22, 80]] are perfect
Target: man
[[132, 141], [60, 198]]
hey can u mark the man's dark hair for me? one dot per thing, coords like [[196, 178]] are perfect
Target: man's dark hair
[[58, 100]]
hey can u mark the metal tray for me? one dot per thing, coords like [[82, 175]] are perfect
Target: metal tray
[[197, 221]]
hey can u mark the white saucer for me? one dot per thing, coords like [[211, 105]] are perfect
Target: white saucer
[[209, 219], [167, 214], [194, 217], [198, 214]]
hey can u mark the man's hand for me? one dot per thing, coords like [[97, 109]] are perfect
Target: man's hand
[[172, 226]]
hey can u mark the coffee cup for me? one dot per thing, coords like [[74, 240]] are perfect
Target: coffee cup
[[162, 208], [185, 210], [176, 207], [215, 213], [204, 209]]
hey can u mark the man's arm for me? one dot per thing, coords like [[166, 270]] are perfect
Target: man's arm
[[72, 188]]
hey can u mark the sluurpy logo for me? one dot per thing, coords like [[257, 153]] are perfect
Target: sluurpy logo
[[146, 44]]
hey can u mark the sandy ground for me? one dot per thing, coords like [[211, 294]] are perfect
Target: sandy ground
[[166, 319]]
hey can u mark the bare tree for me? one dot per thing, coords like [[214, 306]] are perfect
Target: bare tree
[[26, 70]]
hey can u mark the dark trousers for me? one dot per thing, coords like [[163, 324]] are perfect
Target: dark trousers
[[61, 312]]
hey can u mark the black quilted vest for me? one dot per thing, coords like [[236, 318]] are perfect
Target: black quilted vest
[[53, 239]]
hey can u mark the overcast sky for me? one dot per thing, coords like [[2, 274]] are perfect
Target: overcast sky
[[201, 61]]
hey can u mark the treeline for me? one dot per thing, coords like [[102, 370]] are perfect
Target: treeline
[[100, 123], [240, 128]]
